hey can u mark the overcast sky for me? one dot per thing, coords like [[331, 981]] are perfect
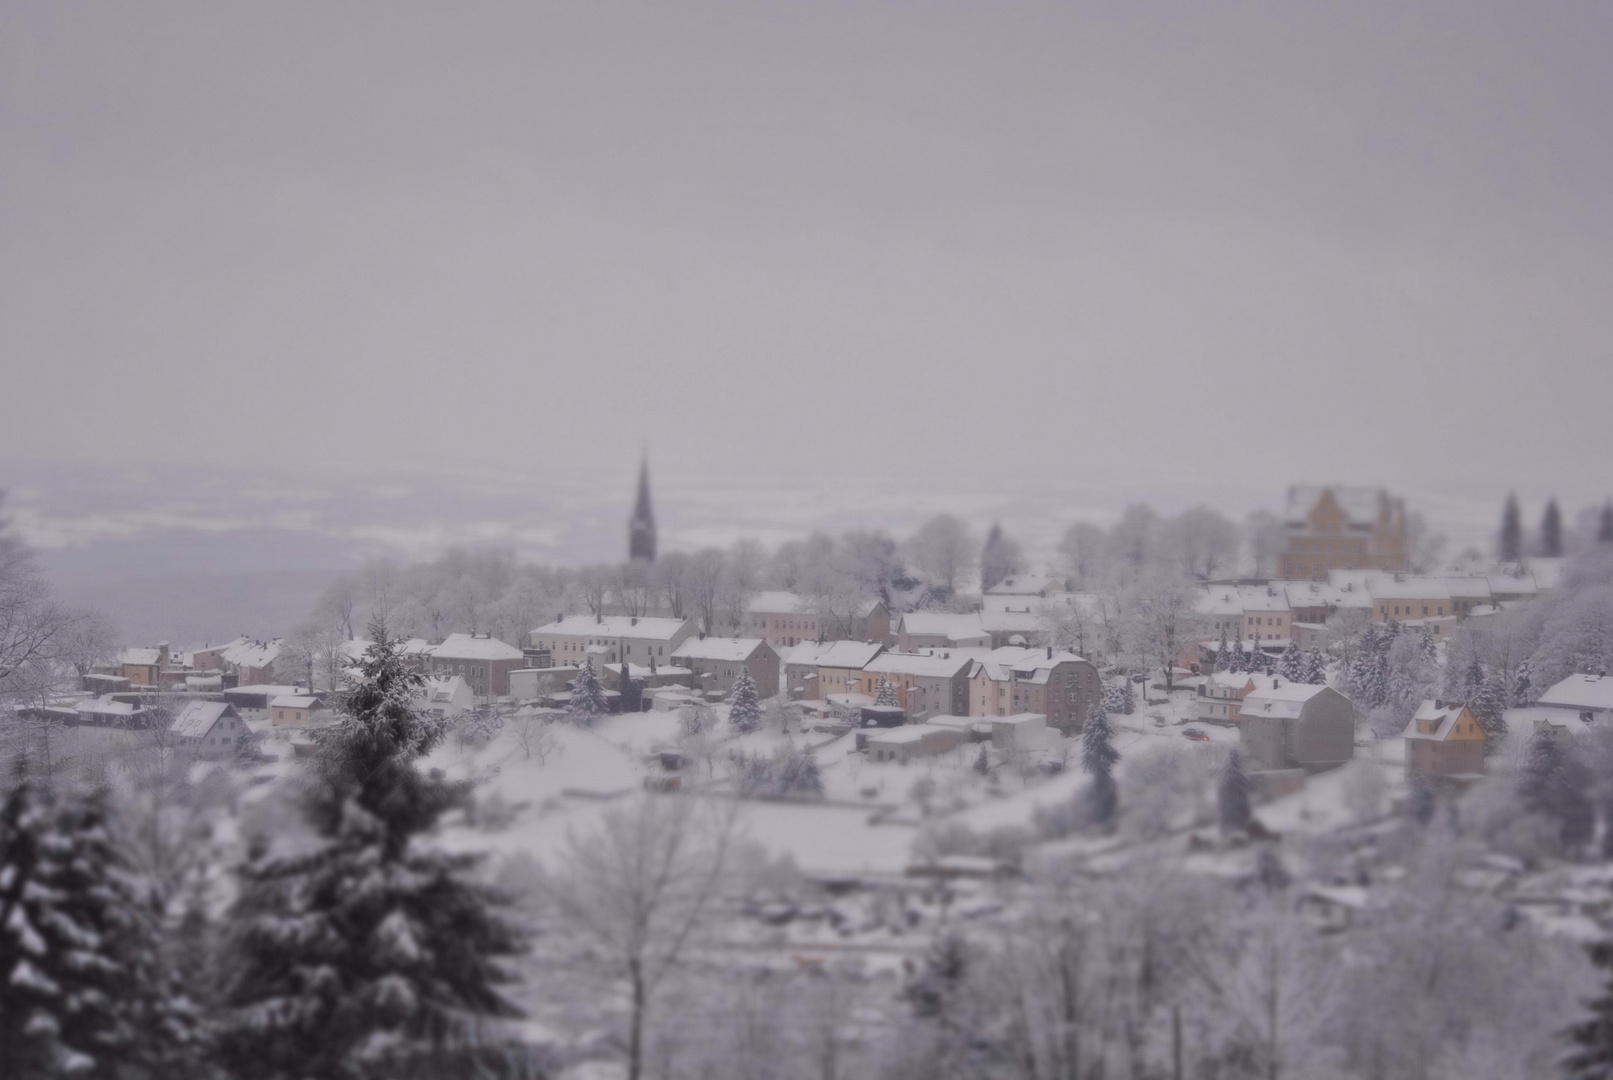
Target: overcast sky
[[1287, 242]]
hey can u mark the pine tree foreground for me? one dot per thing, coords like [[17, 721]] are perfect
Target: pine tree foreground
[[83, 986], [1592, 1039], [369, 956]]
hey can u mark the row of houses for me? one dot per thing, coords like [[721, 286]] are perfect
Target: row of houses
[[1273, 613], [967, 681]]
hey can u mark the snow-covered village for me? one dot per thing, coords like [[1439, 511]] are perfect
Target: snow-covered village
[[1299, 798], [756, 540]]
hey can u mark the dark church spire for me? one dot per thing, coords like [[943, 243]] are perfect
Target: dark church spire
[[641, 529]]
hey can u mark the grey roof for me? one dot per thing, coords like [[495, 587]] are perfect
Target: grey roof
[[197, 718]]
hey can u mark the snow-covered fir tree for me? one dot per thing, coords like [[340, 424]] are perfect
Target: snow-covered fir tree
[[1487, 699], [84, 986], [1523, 685], [1555, 785], [884, 691], [745, 708], [1315, 671], [1128, 699], [1551, 530], [1240, 658], [588, 701], [1426, 642], [1511, 542], [1291, 665], [1098, 758], [1223, 652], [996, 558], [1232, 794], [371, 954]]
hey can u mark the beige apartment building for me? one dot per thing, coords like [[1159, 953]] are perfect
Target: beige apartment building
[[646, 641], [785, 619], [1342, 528], [1059, 685]]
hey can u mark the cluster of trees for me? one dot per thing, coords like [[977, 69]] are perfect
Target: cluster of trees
[[1595, 526], [348, 949], [46, 647]]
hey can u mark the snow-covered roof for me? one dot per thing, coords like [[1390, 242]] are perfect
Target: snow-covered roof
[[1525, 721], [1469, 587], [779, 602], [1359, 504], [1407, 587], [1024, 719], [1232, 680], [442, 689], [262, 690], [1441, 714], [931, 665], [140, 656], [1508, 585], [615, 626], [1025, 585], [953, 626], [197, 718], [1030, 665], [1314, 594], [1011, 622], [733, 650], [1262, 598], [834, 654], [249, 653], [355, 649], [294, 701], [1286, 700], [904, 735], [1547, 571], [475, 647], [106, 705], [1219, 600], [1592, 692]]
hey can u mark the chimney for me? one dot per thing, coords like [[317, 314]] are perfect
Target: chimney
[[560, 617], [1275, 682], [1050, 652], [634, 622], [1439, 703]]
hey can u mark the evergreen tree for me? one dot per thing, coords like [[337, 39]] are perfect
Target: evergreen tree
[[1511, 544], [1098, 757], [1427, 645], [1522, 685], [1551, 531], [83, 983], [745, 710], [1128, 698], [1554, 783], [1240, 659], [588, 702], [371, 955], [1291, 665], [996, 558], [1223, 656], [1591, 1056], [1604, 528], [884, 692], [1488, 701], [1232, 794], [1315, 668], [983, 763]]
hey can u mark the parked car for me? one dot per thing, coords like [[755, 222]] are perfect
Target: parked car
[[1195, 734]]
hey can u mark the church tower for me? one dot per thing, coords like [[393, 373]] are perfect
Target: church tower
[[641, 529]]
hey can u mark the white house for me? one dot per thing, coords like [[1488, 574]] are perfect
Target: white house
[[1591, 696], [212, 727], [446, 697]]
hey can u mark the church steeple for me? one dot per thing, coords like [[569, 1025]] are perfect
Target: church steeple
[[641, 529]]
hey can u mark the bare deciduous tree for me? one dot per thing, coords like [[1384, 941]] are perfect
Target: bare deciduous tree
[[639, 887]]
